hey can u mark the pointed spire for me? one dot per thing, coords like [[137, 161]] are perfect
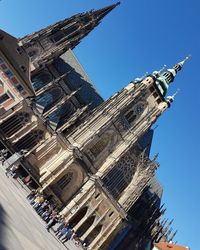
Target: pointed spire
[[104, 11], [170, 99], [164, 78], [56, 39], [173, 235], [81, 20], [170, 74], [179, 65]]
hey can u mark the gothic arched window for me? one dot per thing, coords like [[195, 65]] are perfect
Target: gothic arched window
[[135, 112], [33, 52], [60, 188], [57, 36], [100, 145], [14, 123], [41, 80], [30, 140], [130, 116], [61, 115], [49, 98], [119, 177], [70, 29], [65, 180]]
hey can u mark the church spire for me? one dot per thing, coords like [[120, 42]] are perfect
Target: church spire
[[104, 11], [164, 78], [51, 42], [81, 19]]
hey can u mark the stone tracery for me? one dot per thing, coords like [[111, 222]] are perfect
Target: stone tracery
[[14, 123], [118, 177]]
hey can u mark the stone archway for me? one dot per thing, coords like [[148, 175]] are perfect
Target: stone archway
[[85, 226], [95, 232], [78, 216], [67, 183]]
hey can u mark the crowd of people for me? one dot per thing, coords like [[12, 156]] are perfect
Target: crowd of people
[[3, 155], [48, 211], [45, 208]]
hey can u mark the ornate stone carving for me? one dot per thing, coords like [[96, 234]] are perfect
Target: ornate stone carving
[[103, 146], [118, 177], [131, 115]]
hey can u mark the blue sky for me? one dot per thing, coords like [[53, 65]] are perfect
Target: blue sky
[[138, 37]]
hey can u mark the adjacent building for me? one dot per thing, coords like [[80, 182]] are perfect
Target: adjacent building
[[167, 246]]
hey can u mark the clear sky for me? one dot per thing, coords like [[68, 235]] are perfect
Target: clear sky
[[141, 36]]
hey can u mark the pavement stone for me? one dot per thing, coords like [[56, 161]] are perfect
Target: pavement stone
[[20, 226]]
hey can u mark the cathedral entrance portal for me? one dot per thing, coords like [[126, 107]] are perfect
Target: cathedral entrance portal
[[67, 184]]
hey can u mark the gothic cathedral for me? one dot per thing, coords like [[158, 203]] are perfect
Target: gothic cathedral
[[90, 156]]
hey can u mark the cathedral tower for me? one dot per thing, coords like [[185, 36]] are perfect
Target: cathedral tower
[[49, 43], [108, 146]]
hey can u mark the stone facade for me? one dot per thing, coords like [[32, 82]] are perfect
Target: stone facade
[[94, 162]]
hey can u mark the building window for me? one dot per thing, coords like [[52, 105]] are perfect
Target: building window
[[23, 68], [96, 196], [19, 88], [4, 98], [8, 73], [111, 213], [41, 80], [101, 144], [19, 50], [14, 80], [159, 101], [49, 98], [151, 89], [32, 53], [70, 29], [65, 180], [135, 112], [57, 36], [130, 116], [155, 94]]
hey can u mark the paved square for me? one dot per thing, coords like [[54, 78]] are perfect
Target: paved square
[[20, 227]]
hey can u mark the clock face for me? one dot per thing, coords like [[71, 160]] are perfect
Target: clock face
[[139, 108]]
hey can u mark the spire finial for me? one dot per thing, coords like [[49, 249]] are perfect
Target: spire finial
[[184, 60], [170, 99], [162, 69], [139, 79], [177, 91], [187, 57]]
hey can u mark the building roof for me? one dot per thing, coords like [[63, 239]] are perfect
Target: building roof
[[169, 246]]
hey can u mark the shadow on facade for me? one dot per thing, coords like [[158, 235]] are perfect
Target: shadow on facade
[[76, 78], [2, 228]]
